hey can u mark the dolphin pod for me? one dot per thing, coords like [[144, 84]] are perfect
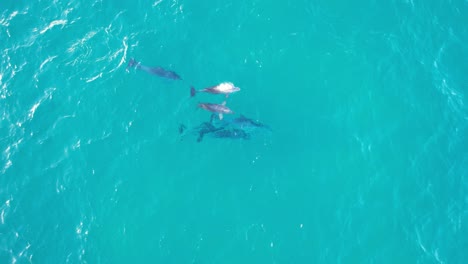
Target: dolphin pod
[[235, 128], [239, 127]]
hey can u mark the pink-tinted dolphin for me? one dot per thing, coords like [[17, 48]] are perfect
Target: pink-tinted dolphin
[[222, 88]]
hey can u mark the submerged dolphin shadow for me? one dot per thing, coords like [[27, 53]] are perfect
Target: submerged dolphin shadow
[[158, 71]]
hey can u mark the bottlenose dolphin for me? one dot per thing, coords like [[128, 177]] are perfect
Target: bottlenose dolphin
[[159, 71], [207, 128], [220, 109], [243, 122], [231, 133], [222, 88]]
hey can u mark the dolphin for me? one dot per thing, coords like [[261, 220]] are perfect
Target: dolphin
[[231, 133], [207, 128], [222, 88], [240, 122], [159, 71], [220, 109], [243, 121]]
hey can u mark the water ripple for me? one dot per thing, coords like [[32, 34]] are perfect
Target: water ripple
[[61, 22], [47, 95]]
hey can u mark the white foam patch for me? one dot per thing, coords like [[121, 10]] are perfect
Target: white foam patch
[[49, 59], [94, 78], [125, 44], [6, 22], [3, 92], [33, 109], [8, 163], [52, 24], [47, 95], [82, 41], [8, 152]]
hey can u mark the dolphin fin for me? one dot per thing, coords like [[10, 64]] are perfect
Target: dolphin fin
[[223, 103], [220, 116]]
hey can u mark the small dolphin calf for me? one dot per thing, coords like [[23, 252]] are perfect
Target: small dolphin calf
[[159, 71], [220, 109], [222, 88]]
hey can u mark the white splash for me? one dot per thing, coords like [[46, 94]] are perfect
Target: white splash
[[47, 95], [77, 145], [6, 22], [33, 109], [7, 153], [94, 78], [53, 24], [157, 3], [49, 59], [124, 43], [79, 228], [82, 41]]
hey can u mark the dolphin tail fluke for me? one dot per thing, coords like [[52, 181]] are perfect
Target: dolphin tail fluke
[[193, 92]]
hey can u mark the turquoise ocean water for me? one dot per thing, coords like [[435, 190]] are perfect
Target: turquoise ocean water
[[366, 160]]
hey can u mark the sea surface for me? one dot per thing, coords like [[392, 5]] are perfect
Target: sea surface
[[365, 161]]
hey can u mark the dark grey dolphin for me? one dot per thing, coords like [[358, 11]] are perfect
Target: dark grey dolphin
[[240, 122], [159, 71], [207, 128], [231, 133], [243, 121]]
